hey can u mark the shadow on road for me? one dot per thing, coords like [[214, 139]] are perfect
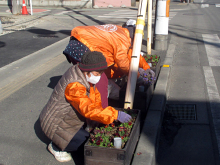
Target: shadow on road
[[39, 132], [2, 44], [53, 81]]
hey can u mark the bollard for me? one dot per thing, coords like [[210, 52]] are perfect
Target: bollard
[[16, 8], [1, 27], [161, 25]]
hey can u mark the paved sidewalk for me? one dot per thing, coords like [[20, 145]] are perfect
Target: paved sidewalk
[[166, 140]]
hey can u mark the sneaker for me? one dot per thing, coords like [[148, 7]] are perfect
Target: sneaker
[[61, 156]]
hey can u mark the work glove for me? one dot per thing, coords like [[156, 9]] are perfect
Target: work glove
[[123, 117], [142, 80], [151, 72]]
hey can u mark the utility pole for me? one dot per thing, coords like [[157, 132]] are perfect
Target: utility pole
[[161, 25], [149, 26], [135, 58]]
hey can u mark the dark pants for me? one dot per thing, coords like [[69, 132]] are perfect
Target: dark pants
[[102, 85], [80, 137]]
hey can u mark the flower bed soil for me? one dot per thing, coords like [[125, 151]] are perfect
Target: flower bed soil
[[99, 149]]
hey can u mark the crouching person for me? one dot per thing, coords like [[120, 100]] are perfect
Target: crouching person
[[75, 100]]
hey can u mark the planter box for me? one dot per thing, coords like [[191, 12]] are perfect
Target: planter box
[[141, 99], [94, 155]]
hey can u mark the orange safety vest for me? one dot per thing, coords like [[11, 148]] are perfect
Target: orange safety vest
[[115, 44]]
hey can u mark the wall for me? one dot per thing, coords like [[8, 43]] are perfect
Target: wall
[[73, 3]]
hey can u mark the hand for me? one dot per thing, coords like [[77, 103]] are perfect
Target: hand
[[123, 117], [142, 80], [151, 72], [141, 71]]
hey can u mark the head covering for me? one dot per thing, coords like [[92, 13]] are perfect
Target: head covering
[[75, 49], [131, 22], [93, 61]]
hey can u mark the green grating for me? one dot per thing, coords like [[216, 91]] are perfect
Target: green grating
[[182, 111]]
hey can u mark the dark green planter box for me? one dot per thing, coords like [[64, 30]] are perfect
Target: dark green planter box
[[141, 99], [94, 155], [156, 68]]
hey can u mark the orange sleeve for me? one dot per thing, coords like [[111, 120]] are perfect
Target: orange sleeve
[[143, 64], [89, 107]]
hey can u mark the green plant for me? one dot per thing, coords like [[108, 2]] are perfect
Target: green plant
[[152, 59], [103, 136]]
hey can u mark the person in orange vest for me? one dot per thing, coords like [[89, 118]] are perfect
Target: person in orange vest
[[115, 43], [74, 103]]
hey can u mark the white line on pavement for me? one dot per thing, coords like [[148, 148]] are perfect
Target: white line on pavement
[[214, 100], [127, 12], [204, 5], [212, 45], [63, 12]]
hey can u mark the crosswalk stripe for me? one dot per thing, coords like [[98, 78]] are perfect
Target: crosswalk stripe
[[204, 5], [63, 12], [212, 45], [127, 15]]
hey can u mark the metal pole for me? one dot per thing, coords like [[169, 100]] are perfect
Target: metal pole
[[133, 71], [1, 27], [15, 7], [149, 26], [161, 25], [31, 7]]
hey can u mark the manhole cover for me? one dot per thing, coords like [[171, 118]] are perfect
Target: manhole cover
[[182, 111]]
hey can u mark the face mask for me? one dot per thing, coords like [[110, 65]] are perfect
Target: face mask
[[93, 79]]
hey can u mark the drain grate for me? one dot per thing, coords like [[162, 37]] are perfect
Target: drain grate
[[182, 111]]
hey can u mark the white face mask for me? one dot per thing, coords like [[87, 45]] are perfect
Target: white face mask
[[93, 79]]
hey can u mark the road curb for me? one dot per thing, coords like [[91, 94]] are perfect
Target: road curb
[[147, 146], [21, 72]]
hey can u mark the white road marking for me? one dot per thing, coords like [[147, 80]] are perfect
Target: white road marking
[[212, 45], [204, 5], [127, 15], [214, 100], [63, 12]]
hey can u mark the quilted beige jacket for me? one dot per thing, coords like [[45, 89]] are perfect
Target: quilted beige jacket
[[59, 120]]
